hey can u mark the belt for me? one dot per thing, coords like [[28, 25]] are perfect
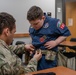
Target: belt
[[50, 55], [45, 51]]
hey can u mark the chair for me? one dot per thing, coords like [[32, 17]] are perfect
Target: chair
[[26, 53], [17, 43], [74, 48], [73, 40]]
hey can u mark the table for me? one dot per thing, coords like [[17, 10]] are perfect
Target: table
[[68, 44], [58, 70]]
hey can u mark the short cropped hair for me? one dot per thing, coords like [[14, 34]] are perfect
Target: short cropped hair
[[6, 21], [34, 13]]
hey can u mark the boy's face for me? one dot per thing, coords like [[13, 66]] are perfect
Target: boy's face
[[38, 23]]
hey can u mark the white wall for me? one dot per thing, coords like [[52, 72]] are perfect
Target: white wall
[[19, 8]]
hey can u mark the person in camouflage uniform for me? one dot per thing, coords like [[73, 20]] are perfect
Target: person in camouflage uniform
[[10, 63]]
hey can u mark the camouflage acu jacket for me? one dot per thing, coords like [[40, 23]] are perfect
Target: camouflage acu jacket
[[10, 63]]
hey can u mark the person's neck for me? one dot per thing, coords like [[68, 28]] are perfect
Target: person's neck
[[2, 37]]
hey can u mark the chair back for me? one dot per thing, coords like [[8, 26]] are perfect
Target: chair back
[[73, 39]]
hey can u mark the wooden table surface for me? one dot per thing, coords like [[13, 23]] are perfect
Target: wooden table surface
[[68, 43], [58, 70]]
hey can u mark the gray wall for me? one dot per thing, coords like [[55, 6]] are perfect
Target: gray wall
[[59, 9]]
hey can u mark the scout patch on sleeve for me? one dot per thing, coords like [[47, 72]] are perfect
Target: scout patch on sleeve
[[60, 25], [46, 25]]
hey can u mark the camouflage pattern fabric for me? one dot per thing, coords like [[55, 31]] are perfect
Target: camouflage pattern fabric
[[49, 54], [10, 64]]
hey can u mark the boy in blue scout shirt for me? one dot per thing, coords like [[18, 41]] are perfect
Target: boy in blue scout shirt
[[46, 34]]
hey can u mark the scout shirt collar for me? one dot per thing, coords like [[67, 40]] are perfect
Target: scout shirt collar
[[46, 19], [46, 24]]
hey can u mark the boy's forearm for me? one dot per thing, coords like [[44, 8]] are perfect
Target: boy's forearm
[[60, 39]]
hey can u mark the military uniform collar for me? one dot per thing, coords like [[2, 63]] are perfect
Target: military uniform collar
[[3, 44]]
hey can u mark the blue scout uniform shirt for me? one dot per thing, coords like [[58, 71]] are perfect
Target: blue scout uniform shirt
[[51, 30]]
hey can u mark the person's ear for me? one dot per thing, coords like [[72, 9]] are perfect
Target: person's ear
[[6, 31], [43, 17]]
